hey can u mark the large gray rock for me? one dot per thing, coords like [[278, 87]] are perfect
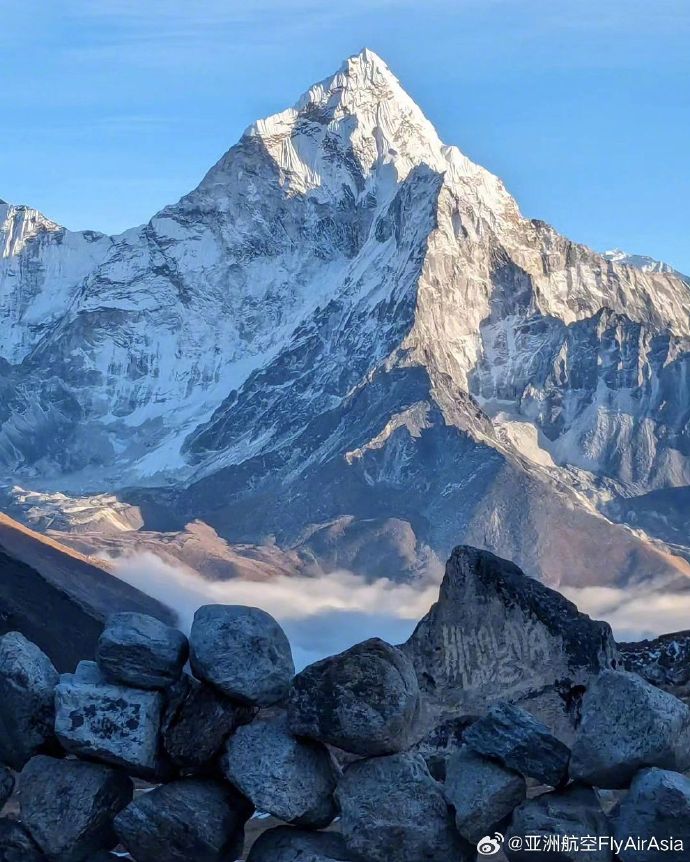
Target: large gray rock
[[656, 807], [27, 681], [496, 634], [482, 793], [112, 723], [287, 844], [16, 845], [243, 652], [139, 650], [6, 785], [520, 742], [197, 721], [365, 700], [628, 724], [68, 806], [292, 779], [560, 820], [392, 810], [191, 819]]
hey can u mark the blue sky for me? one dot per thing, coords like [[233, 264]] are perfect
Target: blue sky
[[112, 108]]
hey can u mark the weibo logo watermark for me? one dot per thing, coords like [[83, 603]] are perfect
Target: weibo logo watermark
[[488, 845]]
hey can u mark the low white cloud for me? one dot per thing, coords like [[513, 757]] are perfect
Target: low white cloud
[[635, 612], [321, 615], [326, 614]]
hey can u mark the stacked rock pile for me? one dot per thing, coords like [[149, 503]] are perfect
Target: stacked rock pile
[[219, 726]]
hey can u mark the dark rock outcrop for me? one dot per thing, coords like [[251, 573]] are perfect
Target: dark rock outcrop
[[139, 650], [68, 806], [442, 742], [243, 652], [520, 742], [6, 785], [27, 681], [292, 779], [192, 819], [496, 634], [559, 821], [16, 845], [286, 844], [196, 722], [112, 723], [628, 724], [656, 807], [483, 793], [365, 700], [392, 810], [663, 661]]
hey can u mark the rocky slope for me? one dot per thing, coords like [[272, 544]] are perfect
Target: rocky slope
[[58, 598], [346, 327]]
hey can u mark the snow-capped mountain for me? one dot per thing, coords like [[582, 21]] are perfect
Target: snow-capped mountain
[[643, 262], [346, 326]]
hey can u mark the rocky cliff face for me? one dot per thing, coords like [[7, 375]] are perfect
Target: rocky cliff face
[[349, 319]]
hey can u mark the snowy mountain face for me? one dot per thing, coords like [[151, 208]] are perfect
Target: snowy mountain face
[[349, 325]]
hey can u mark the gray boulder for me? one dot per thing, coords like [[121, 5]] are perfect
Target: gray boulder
[[88, 672], [196, 722], [6, 785], [656, 807], [497, 635], [392, 810], [365, 700], [243, 652], [112, 723], [27, 681], [520, 742], [16, 845], [628, 724], [68, 806], [139, 650], [292, 779], [287, 844], [482, 793], [191, 819], [561, 821]]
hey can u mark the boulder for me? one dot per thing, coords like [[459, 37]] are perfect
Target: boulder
[[139, 650], [392, 810], [88, 672], [191, 819], [16, 845], [553, 828], [6, 785], [243, 652], [112, 723], [287, 844], [520, 742], [365, 700], [628, 724], [656, 807], [292, 779], [482, 793], [196, 722], [27, 682], [497, 635], [68, 806]]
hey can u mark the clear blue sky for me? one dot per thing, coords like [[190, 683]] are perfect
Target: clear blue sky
[[112, 108]]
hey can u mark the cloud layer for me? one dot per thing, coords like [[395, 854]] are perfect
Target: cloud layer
[[324, 615]]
